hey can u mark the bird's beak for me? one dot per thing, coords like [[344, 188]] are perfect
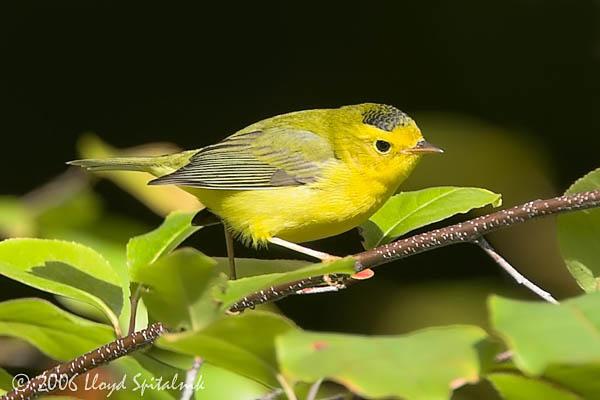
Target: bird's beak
[[423, 147]]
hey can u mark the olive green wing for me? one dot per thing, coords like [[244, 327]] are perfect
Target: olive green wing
[[261, 159]]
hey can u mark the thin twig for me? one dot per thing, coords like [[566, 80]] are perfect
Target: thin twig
[[314, 390], [463, 232], [230, 253], [64, 372], [513, 272], [289, 392], [190, 379], [272, 395], [134, 299]]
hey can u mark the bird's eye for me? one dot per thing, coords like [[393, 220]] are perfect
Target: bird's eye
[[382, 146]]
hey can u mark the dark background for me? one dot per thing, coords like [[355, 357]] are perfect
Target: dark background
[[192, 76]]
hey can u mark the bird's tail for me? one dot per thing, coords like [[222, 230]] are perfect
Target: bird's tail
[[156, 165], [117, 163]]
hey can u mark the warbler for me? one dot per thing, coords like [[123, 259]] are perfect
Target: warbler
[[295, 177]]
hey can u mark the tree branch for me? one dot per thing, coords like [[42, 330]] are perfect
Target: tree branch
[[513, 272], [64, 372], [468, 231]]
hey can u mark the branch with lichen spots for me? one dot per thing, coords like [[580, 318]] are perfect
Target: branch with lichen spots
[[465, 232], [103, 355]]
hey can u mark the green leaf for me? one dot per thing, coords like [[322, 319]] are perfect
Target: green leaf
[[243, 344], [246, 267], [55, 332], [177, 289], [136, 377], [542, 334], [111, 250], [407, 211], [161, 368], [77, 216], [223, 384], [216, 383], [145, 249], [141, 316], [238, 289], [579, 237], [424, 365], [68, 269], [580, 379], [80, 308], [6, 382], [517, 387]]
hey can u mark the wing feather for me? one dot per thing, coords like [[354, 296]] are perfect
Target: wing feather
[[261, 159]]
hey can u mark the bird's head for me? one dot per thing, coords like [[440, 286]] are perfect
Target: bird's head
[[384, 138]]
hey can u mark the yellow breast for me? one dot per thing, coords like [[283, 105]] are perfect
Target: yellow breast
[[344, 198]]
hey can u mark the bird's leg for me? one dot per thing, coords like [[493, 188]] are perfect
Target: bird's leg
[[230, 254], [304, 250], [206, 218], [365, 274], [332, 285]]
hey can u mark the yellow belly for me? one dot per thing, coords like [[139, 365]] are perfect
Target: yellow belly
[[297, 213], [344, 198]]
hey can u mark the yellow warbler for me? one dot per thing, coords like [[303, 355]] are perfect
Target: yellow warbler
[[295, 177]]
